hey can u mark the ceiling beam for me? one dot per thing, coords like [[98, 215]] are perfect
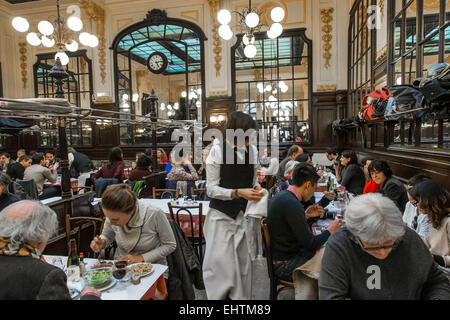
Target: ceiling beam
[[176, 51]]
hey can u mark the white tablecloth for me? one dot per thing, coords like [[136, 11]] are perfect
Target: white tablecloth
[[120, 291], [163, 205]]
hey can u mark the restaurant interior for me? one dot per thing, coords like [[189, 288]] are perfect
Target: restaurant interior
[[90, 77]]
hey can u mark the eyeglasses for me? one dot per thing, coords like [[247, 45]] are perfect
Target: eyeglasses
[[393, 246]]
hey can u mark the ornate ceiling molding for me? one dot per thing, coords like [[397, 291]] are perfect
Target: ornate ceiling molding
[[327, 29], [217, 43], [97, 14]]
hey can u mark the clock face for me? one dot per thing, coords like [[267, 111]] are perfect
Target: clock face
[[157, 62]]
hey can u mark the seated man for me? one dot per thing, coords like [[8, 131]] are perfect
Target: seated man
[[39, 174], [25, 228], [377, 257], [291, 238], [6, 198], [16, 170]]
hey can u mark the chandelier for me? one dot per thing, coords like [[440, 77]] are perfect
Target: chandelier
[[60, 34], [249, 23]]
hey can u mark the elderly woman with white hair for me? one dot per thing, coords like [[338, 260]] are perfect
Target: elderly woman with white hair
[[376, 257], [25, 228]]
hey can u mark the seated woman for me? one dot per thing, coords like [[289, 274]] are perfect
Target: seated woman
[[142, 168], [162, 157], [201, 168], [142, 232], [110, 173], [376, 257], [434, 201], [134, 163], [291, 238], [114, 169], [290, 167], [352, 176], [389, 186], [413, 218], [179, 179], [269, 165], [371, 186]]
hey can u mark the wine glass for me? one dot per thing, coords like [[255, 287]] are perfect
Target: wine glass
[[120, 271]]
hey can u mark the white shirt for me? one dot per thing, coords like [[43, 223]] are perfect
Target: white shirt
[[272, 170], [213, 163], [422, 220]]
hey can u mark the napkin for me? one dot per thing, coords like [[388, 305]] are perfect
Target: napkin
[[258, 209]]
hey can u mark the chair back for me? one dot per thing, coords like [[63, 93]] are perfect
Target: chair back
[[155, 180], [30, 188], [101, 184], [201, 194], [78, 224], [268, 254], [181, 215], [164, 193]]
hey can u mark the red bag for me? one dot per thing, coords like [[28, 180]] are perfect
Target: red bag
[[374, 105]]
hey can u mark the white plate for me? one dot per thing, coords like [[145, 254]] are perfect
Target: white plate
[[140, 263], [108, 285]]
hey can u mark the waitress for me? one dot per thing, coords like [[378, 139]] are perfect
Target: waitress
[[230, 184]]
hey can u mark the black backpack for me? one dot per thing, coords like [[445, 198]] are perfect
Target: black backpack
[[405, 98]]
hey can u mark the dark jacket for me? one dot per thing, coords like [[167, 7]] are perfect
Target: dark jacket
[[6, 199], [27, 278], [138, 173], [353, 179], [184, 268], [408, 273], [396, 191]]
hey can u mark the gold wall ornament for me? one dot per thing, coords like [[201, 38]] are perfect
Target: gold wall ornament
[[381, 5], [97, 14], [326, 88], [23, 64], [217, 43], [327, 29]]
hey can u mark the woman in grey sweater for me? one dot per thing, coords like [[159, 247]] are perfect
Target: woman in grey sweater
[[376, 257], [142, 233]]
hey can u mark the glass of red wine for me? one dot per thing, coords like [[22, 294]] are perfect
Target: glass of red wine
[[120, 271]]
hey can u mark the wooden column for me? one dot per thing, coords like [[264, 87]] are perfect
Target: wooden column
[[66, 188]]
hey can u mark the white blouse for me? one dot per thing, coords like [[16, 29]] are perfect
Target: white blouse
[[213, 163]]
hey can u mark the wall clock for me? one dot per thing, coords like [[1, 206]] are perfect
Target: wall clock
[[157, 62]]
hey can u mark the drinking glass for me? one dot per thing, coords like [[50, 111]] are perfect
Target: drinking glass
[[120, 271]]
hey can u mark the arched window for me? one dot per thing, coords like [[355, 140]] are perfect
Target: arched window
[[168, 55]]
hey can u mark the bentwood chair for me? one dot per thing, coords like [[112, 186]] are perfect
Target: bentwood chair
[[184, 212], [162, 193], [82, 223], [274, 282], [200, 193]]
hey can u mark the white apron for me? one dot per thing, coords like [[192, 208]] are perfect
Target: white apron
[[227, 266]]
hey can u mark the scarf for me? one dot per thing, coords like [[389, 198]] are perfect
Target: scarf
[[128, 235], [7, 248]]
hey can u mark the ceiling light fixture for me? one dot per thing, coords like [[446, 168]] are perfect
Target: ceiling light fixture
[[61, 33], [249, 23]]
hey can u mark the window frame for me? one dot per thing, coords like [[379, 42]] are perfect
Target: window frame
[[306, 54]]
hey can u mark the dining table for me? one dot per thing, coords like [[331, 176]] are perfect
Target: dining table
[[73, 183], [152, 286]]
